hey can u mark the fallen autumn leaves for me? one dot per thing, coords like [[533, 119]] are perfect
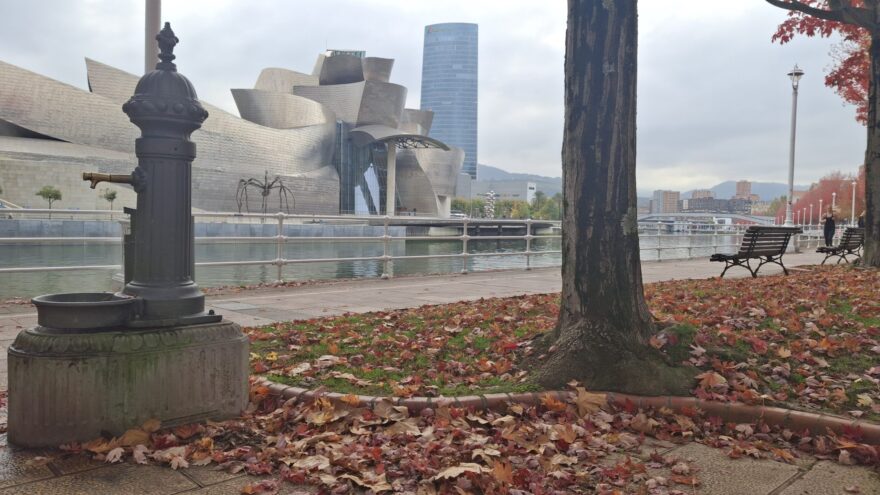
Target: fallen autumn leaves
[[809, 340]]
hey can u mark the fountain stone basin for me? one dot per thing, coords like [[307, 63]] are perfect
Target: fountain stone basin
[[84, 310]]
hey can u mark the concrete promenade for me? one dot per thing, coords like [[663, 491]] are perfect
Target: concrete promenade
[[37, 472]]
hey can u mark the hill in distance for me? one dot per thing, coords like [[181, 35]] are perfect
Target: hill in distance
[[547, 185], [768, 191]]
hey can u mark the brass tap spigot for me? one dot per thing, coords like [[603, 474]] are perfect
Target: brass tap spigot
[[95, 178]]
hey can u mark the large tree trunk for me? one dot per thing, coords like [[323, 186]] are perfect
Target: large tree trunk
[[604, 323], [872, 162]]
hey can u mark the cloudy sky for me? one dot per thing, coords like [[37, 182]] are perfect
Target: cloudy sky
[[714, 100]]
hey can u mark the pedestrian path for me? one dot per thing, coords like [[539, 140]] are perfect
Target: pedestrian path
[[37, 472]]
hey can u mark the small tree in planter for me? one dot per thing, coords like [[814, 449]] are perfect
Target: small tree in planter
[[110, 196], [51, 194]]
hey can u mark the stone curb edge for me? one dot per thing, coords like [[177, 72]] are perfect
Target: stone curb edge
[[736, 412]]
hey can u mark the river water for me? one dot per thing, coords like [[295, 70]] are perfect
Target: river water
[[30, 284]]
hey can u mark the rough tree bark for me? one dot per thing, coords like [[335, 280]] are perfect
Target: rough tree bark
[[866, 14], [604, 325]]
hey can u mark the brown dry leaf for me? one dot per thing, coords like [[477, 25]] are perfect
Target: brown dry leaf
[[151, 425], [134, 436], [378, 485], [385, 410], [318, 462], [351, 399], [101, 445], [552, 403], [456, 471], [115, 455], [407, 427], [185, 431], [588, 402], [643, 423], [503, 472]]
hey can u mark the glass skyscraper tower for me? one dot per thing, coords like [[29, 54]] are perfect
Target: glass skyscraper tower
[[449, 87]]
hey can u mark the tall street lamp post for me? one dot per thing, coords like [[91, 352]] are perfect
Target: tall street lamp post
[[852, 217], [833, 202], [811, 214], [820, 210], [795, 76]]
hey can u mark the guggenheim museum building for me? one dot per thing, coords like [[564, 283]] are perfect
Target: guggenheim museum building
[[339, 138]]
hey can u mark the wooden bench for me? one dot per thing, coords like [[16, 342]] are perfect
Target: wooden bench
[[850, 245], [765, 244]]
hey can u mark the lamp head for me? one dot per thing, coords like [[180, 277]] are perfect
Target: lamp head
[[796, 74]]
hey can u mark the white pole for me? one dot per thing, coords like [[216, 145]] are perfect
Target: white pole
[[811, 214], [852, 217], [391, 179], [795, 76], [152, 26]]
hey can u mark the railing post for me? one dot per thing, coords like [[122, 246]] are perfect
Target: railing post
[[464, 246], [690, 233], [386, 272], [659, 242], [528, 244], [279, 248], [714, 238]]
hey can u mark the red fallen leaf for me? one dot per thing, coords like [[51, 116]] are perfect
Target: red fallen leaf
[[685, 480], [185, 431], [260, 487], [553, 403], [710, 379]]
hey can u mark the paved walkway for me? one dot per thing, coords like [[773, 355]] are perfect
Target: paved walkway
[[37, 472]]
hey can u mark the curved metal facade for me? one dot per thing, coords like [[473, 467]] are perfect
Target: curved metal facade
[[280, 110], [297, 126]]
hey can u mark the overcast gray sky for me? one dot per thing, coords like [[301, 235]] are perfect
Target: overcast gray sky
[[714, 100]]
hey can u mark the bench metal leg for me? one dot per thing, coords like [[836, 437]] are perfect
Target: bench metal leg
[[771, 259]]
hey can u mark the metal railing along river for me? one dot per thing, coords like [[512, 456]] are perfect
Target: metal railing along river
[[658, 240]]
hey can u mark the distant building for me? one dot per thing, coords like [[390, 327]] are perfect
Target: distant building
[[715, 205], [665, 202], [449, 87], [761, 208], [519, 190], [743, 189], [702, 193]]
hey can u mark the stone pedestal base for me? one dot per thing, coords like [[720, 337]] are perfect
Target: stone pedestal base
[[67, 386]]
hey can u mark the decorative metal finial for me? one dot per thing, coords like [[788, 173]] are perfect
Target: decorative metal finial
[[166, 40]]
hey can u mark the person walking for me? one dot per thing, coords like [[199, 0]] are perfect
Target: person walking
[[861, 220], [829, 227]]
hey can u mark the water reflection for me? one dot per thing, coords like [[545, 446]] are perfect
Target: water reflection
[[31, 284]]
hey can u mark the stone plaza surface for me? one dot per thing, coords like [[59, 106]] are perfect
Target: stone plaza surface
[[47, 471]]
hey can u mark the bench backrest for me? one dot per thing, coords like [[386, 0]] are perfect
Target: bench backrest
[[852, 238], [766, 241]]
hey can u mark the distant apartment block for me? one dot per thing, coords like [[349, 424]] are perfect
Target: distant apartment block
[[665, 202], [743, 189], [715, 205], [702, 193], [505, 189], [449, 87]]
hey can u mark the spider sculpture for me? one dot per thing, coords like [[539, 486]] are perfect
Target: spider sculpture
[[265, 187]]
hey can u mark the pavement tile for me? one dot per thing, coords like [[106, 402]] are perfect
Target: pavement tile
[[66, 463], [721, 475], [829, 478], [232, 305], [110, 480], [209, 475], [234, 487], [20, 466]]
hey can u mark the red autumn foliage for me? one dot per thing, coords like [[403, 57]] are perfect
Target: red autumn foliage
[[850, 75]]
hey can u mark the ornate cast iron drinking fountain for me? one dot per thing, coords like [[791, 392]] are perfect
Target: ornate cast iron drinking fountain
[[106, 362]]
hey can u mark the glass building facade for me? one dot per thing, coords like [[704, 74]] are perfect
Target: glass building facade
[[449, 87]]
